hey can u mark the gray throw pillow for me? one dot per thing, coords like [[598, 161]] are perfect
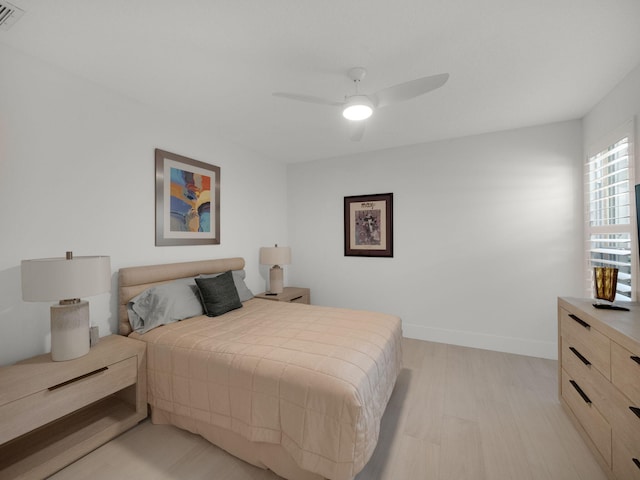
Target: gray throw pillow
[[164, 304], [219, 294]]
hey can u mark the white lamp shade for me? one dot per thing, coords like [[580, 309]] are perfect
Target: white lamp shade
[[275, 255], [50, 279]]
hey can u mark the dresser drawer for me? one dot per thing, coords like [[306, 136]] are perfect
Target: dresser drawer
[[28, 413], [626, 460], [591, 381], [625, 419], [589, 417], [591, 343], [625, 372]]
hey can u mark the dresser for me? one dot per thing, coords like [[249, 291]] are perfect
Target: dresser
[[599, 381]]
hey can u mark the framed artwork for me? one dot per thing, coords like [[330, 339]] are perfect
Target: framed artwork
[[368, 225], [187, 201]]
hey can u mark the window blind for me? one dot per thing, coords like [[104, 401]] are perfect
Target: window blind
[[609, 207]]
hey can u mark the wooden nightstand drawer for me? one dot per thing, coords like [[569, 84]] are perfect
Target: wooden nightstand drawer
[[589, 417], [40, 408], [625, 372], [592, 344], [301, 299]]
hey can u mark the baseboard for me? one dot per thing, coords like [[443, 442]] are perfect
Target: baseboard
[[520, 346]]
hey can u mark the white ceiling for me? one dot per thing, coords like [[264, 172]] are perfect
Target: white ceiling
[[513, 63]]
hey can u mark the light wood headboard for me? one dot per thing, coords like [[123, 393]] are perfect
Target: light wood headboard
[[135, 280]]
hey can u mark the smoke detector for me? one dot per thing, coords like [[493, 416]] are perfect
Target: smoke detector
[[9, 14]]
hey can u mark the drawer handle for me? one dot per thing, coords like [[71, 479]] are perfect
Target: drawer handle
[[297, 298], [636, 461], [635, 359], [55, 387], [580, 356], [579, 390], [635, 410], [580, 321]]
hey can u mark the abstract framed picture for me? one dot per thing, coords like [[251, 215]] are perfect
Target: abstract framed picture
[[368, 225], [187, 201]]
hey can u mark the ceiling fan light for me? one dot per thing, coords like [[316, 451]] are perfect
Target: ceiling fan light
[[358, 108]]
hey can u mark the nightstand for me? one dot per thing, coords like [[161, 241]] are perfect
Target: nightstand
[[52, 413], [289, 294]]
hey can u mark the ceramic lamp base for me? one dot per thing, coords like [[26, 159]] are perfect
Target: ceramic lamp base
[[276, 279], [69, 331]]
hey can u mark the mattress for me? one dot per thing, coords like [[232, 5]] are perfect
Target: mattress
[[313, 381]]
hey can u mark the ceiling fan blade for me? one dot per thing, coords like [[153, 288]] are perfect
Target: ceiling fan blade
[[357, 131], [307, 98], [407, 90]]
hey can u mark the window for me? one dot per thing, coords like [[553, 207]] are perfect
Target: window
[[610, 211]]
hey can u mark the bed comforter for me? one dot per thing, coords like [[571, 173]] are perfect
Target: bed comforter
[[315, 380]]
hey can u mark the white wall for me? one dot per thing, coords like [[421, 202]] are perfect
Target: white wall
[[616, 108], [77, 173], [487, 233]]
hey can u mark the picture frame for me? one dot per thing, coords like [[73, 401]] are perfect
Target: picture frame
[[368, 225], [187, 201]]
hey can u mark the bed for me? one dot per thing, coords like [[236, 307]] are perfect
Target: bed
[[298, 389]]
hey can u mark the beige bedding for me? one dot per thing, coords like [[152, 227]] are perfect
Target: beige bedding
[[313, 381]]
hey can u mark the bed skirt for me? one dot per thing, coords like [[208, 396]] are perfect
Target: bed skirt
[[269, 456]]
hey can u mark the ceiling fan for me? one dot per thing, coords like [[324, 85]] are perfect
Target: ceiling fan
[[358, 107]]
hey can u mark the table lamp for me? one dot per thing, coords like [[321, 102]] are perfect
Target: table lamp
[[275, 256], [66, 279]]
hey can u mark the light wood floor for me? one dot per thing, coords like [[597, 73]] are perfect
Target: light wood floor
[[456, 413]]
